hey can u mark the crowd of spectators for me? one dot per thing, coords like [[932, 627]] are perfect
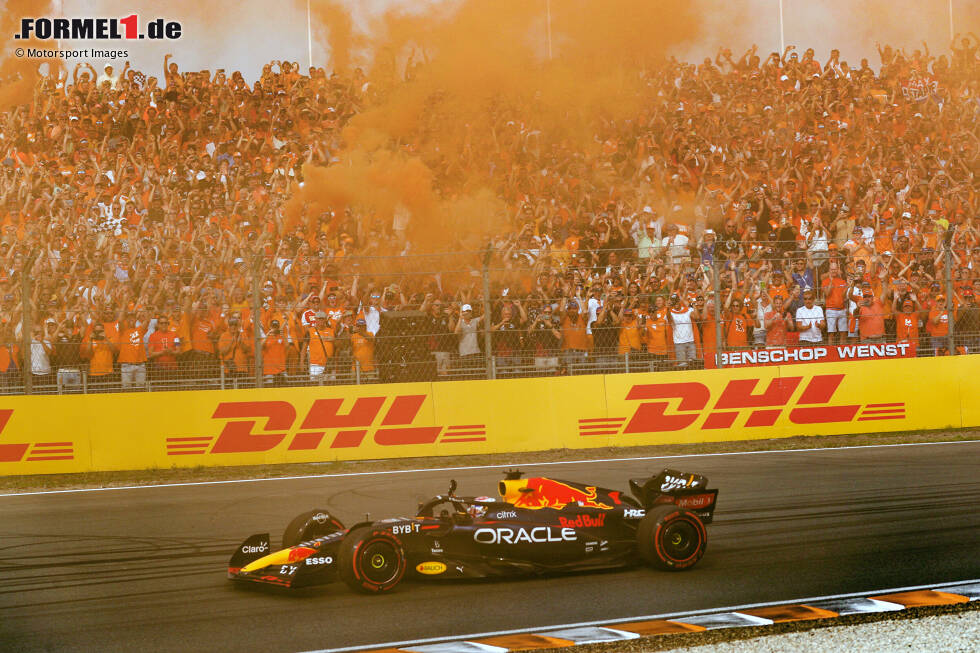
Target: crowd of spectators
[[820, 199]]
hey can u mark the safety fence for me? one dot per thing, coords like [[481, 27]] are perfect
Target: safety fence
[[277, 425], [505, 312]]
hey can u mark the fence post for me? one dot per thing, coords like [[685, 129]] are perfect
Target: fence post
[[27, 323], [487, 349], [716, 289], [257, 317], [948, 274]]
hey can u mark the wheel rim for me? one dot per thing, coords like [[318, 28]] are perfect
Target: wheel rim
[[680, 540], [380, 562]]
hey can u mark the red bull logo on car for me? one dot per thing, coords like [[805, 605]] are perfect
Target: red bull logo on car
[[536, 493], [584, 521]]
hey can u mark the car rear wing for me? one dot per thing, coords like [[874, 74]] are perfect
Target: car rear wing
[[684, 489]]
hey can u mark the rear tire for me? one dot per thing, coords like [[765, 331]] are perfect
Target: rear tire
[[372, 560], [309, 526], [671, 538]]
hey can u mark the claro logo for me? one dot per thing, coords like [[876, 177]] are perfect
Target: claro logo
[[254, 426], [697, 407], [261, 548]]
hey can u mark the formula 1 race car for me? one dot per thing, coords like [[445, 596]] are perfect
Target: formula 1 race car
[[538, 525]]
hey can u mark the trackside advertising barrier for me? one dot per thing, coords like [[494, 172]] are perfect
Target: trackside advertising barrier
[[44, 435]]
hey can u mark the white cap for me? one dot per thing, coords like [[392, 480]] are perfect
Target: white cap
[[709, 231], [466, 307], [648, 209], [907, 215]]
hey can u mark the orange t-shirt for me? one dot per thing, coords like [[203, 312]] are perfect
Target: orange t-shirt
[[779, 291], [318, 346], [738, 332], [9, 358], [131, 349], [100, 357], [573, 335], [629, 336], [907, 327], [363, 349], [941, 329], [833, 292], [708, 333], [658, 334], [161, 341], [871, 319], [274, 355], [237, 359], [201, 330], [883, 241]]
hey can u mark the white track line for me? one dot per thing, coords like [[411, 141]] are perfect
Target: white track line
[[502, 465], [613, 622]]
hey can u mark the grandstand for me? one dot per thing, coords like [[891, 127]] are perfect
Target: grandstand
[[194, 230]]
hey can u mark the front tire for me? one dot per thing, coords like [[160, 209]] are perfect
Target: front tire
[[671, 538], [309, 526], [372, 560]]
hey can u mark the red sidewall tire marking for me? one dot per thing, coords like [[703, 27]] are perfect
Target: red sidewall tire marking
[[658, 545], [381, 536]]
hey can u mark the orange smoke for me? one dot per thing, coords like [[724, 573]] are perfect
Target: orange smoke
[[377, 183], [453, 91], [340, 32], [19, 75]]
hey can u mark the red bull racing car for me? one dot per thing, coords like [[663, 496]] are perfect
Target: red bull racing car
[[537, 525]]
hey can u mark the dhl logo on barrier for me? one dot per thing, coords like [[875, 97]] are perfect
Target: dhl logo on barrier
[[35, 451], [277, 419], [813, 406]]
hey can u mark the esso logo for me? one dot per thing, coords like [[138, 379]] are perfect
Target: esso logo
[[319, 560]]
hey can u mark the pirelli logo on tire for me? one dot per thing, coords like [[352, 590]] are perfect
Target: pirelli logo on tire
[[744, 402], [258, 426]]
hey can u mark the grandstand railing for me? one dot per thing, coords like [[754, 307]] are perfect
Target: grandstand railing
[[415, 287], [545, 364]]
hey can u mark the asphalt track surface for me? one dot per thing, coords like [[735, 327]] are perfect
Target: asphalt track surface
[[144, 569]]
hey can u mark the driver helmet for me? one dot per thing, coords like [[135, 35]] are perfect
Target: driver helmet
[[477, 511]]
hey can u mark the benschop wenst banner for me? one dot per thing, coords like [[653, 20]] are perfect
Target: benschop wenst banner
[[795, 354]]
